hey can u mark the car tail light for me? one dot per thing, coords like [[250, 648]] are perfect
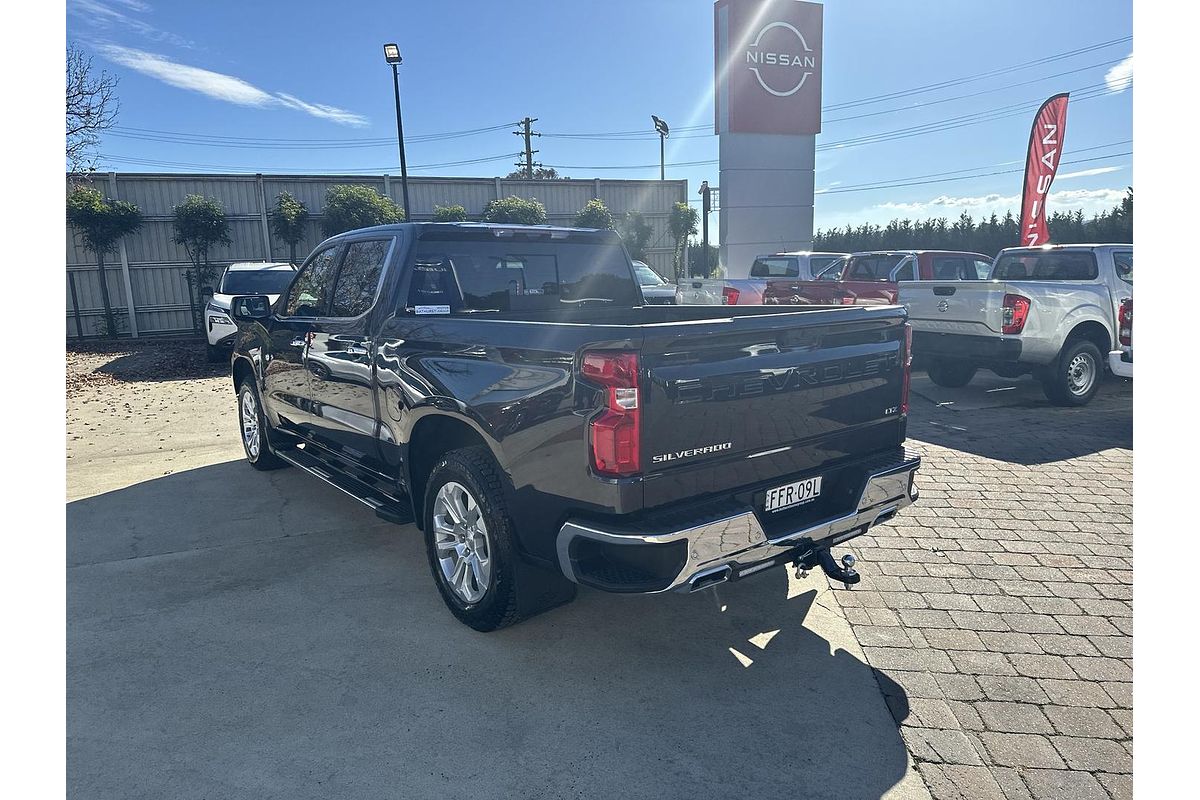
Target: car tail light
[[1015, 312], [906, 362], [616, 431], [729, 295], [1125, 323]]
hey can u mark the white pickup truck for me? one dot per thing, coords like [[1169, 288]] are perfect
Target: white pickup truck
[[1052, 311]]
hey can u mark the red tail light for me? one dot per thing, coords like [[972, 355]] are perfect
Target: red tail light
[[729, 295], [616, 431], [1125, 323], [906, 362], [1016, 311]]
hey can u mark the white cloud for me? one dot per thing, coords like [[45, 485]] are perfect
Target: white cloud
[[1087, 173], [1092, 201], [219, 86], [105, 14], [1120, 77]]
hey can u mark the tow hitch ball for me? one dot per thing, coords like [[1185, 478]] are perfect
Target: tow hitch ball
[[824, 559]]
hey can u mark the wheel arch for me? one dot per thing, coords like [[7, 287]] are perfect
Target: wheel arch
[[432, 436], [243, 369], [1093, 331]]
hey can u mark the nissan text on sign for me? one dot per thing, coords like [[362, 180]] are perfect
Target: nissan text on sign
[[768, 111]]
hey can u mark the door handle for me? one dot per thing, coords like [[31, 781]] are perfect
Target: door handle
[[943, 291]]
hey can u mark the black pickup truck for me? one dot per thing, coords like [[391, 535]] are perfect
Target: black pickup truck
[[506, 388]]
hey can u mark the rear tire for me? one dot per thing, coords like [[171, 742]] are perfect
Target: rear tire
[[1075, 377], [951, 374], [474, 560], [252, 424]]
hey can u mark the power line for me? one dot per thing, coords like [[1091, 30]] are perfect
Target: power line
[[180, 137], [295, 170]]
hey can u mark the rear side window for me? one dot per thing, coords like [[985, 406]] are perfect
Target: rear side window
[[358, 279], [309, 296], [815, 264], [905, 273], [983, 269], [1046, 265], [834, 271], [775, 268], [1124, 264], [501, 274]]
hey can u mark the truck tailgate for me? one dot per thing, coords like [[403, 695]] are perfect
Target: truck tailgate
[[750, 399], [974, 308]]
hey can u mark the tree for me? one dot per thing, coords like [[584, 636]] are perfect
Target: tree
[[200, 224], [636, 233], [682, 225], [100, 225], [515, 210], [350, 207], [289, 221], [539, 174], [696, 257], [91, 108], [455, 213], [594, 215]]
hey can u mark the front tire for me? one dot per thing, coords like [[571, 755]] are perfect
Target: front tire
[[472, 550], [254, 429], [1075, 377], [951, 374]]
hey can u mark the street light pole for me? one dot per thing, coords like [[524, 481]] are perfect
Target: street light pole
[[391, 53], [663, 132]]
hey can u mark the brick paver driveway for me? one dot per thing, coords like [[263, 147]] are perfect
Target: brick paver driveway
[[1001, 602]]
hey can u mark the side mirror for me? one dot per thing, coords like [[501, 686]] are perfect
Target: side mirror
[[250, 307]]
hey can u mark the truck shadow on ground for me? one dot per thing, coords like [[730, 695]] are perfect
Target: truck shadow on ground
[[154, 361], [1010, 419], [291, 644]]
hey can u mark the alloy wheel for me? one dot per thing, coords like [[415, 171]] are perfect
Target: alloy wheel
[[464, 550]]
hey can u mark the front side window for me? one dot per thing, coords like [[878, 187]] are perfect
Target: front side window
[[309, 296], [905, 273], [647, 276], [983, 269], [1124, 264], [358, 279], [834, 271]]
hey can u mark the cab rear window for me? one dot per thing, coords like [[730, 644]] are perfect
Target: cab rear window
[[515, 274], [1046, 265]]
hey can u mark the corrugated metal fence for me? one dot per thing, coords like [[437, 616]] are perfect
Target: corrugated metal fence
[[150, 267]]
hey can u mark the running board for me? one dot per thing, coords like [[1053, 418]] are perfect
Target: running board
[[386, 508]]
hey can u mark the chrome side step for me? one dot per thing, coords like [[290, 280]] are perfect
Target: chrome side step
[[385, 507]]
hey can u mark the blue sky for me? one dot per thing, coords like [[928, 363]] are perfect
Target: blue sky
[[261, 76]]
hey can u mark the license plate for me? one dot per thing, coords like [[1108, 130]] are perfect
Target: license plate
[[791, 495]]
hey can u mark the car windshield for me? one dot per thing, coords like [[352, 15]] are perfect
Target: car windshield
[[647, 276], [256, 281], [1045, 265]]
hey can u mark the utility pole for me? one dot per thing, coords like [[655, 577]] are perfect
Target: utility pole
[[706, 205], [391, 54], [663, 130], [525, 131]]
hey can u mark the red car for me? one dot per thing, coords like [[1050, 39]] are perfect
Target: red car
[[874, 278]]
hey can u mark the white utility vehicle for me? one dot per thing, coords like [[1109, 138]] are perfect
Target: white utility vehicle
[[1053, 311], [241, 277]]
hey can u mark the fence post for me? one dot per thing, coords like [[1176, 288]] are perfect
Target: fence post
[[75, 303], [262, 215], [131, 313], [497, 188]]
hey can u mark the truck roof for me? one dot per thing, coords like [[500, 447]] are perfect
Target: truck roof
[[1081, 246], [468, 226]]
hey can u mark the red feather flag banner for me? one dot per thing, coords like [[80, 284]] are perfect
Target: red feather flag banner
[[1041, 164]]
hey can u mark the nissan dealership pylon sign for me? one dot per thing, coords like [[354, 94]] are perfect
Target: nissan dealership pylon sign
[[768, 66]]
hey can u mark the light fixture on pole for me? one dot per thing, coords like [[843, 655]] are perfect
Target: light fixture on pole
[[391, 54], [663, 132]]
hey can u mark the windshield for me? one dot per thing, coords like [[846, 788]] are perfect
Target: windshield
[[775, 267], [256, 281], [647, 276], [1045, 265], [521, 273]]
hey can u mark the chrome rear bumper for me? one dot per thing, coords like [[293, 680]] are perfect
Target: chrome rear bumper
[[735, 545]]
